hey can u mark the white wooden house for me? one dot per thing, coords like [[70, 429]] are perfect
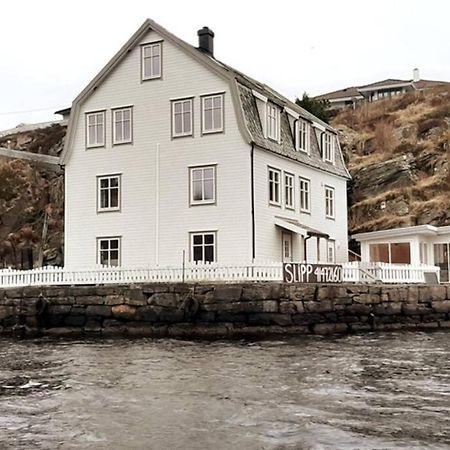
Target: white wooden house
[[170, 150]]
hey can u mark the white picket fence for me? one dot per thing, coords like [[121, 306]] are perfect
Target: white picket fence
[[364, 272], [353, 272]]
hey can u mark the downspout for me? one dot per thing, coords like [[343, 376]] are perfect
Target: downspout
[[252, 182], [157, 207], [305, 244]]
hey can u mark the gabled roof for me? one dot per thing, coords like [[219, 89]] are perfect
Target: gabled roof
[[240, 86], [341, 93]]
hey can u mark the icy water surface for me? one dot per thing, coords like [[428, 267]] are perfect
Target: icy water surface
[[374, 391]]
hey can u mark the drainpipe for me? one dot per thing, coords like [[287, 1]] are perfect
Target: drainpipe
[[157, 206], [304, 244], [252, 182]]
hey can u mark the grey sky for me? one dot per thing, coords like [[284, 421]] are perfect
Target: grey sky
[[51, 49]]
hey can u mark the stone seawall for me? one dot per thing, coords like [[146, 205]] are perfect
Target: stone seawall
[[216, 310]]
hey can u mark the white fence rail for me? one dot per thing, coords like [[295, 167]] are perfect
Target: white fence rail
[[355, 272]]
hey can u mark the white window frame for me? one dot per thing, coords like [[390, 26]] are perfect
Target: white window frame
[[328, 150], [153, 75], [203, 179], [303, 135], [330, 201], [203, 245], [109, 250], [183, 111], [274, 182], [96, 115], [109, 188], [305, 194], [214, 129], [273, 122], [114, 119], [331, 246], [289, 190]]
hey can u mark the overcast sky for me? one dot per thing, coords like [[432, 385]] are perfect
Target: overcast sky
[[51, 49]]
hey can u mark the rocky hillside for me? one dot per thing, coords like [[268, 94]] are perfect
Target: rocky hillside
[[31, 201], [398, 153]]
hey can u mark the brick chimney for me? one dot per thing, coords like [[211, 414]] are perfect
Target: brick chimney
[[206, 40]]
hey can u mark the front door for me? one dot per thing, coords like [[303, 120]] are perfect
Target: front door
[[287, 247]]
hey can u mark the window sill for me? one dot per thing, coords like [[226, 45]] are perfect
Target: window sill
[[122, 143], [330, 217], [108, 210], [305, 211], [88, 147], [278, 205], [204, 132], [151, 78], [202, 203], [177, 136]]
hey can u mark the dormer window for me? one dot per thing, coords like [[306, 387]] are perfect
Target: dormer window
[[151, 61], [303, 136], [273, 122], [328, 147]]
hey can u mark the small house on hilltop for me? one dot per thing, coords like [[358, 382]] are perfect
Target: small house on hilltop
[[352, 96]]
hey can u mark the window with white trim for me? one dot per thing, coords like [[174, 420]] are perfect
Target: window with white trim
[[329, 202], [203, 247], [95, 129], [151, 61], [328, 147], [303, 135], [203, 185], [182, 117], [274, 186], [212, 114], [289, 191], [304, 195], [273, 122], [122, 125], [108, 193], [109, 251], [331, 251]]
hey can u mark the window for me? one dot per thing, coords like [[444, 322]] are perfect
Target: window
[[203, 185], [203, 247], [396, 253], [122, 126], [331, 251], [212, 114], [95, 129], [329, 202], [328, 147], [303, 136], [274, 187], [151, 61], [289, 191], [304, 195], [108, 188], [273, 122], [423, 251], [109, 251], [182, 117], [442, 260]]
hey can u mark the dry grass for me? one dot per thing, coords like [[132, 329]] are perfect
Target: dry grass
[[385, 138]]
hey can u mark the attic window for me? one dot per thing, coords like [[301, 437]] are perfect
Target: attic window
[[302, 136], [328, 147], [273, 122], [151, 61]]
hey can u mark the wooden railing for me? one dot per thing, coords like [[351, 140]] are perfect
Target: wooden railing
[[355, 272]]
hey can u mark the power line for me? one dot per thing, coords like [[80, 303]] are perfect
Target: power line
[[6, 113]]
